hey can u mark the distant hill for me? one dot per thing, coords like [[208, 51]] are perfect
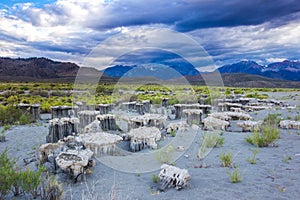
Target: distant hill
[[42, 69], [286, 70]]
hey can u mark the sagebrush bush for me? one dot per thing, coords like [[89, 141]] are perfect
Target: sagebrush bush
[[264, 137], [272, 120], [28, 181]]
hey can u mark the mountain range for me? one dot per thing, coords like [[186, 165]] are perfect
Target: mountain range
[[243, 74], [286, 70]]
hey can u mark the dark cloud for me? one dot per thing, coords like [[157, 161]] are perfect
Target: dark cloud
[[190, 15]]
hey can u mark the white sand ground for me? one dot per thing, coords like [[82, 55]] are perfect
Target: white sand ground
[[270, 178]]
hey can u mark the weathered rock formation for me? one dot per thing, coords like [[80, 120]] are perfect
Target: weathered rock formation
[[101, 143], [193, 116], [211, 123], [289, 124], [105, 108], [249, 126], [171, 176], [180, 107], [155, 120], [107, 122], [68, 154], [61, 128], [144, 137], [231, 116], [61, 111], [87, 116], [32, 109], [227, 106]]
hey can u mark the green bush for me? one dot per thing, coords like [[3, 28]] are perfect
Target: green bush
[[25, 119], [226, 159], [155, 178], [31, 180], [51, 189], [252, 160], [265, 138], [165, 155], [6, 169], [235, 176], [210, 140], [272, 119]]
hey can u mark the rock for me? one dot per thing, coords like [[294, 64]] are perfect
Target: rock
[[104, 108], [60, 111], [74, 161], [87, 116], [144, 137], [60, 128], [193, 116], [211, 123], [180, 148], [231, 116], [289, 124], [171, 176], [107, 122], [249, 126], [32, 109], [176, 126], [101, 143], [227, 106], [150, 120], [93, 127], [180, 107]]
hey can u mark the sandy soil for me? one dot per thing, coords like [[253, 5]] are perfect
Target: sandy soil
[[270, 178]]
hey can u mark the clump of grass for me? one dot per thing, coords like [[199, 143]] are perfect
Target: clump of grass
[[155, 178], [287, 159], [165, 155], [210, 140], [272, 119], [6, 127], [265, 137], [235, 176], [252, 160], [226, 159], [173, 133]]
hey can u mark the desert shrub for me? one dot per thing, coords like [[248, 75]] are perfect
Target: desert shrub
[[165, 155], [155, 178], [272, 119], [297, 118], [51, 189], [252, 160], [6, 127], [173, 101], [25, 119], [264, 138], [6, 169], [31, 180], [9, 114], [209, 140], [226, 159], [235, 176]]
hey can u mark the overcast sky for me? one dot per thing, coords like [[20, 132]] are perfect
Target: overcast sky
[[230, 31]]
